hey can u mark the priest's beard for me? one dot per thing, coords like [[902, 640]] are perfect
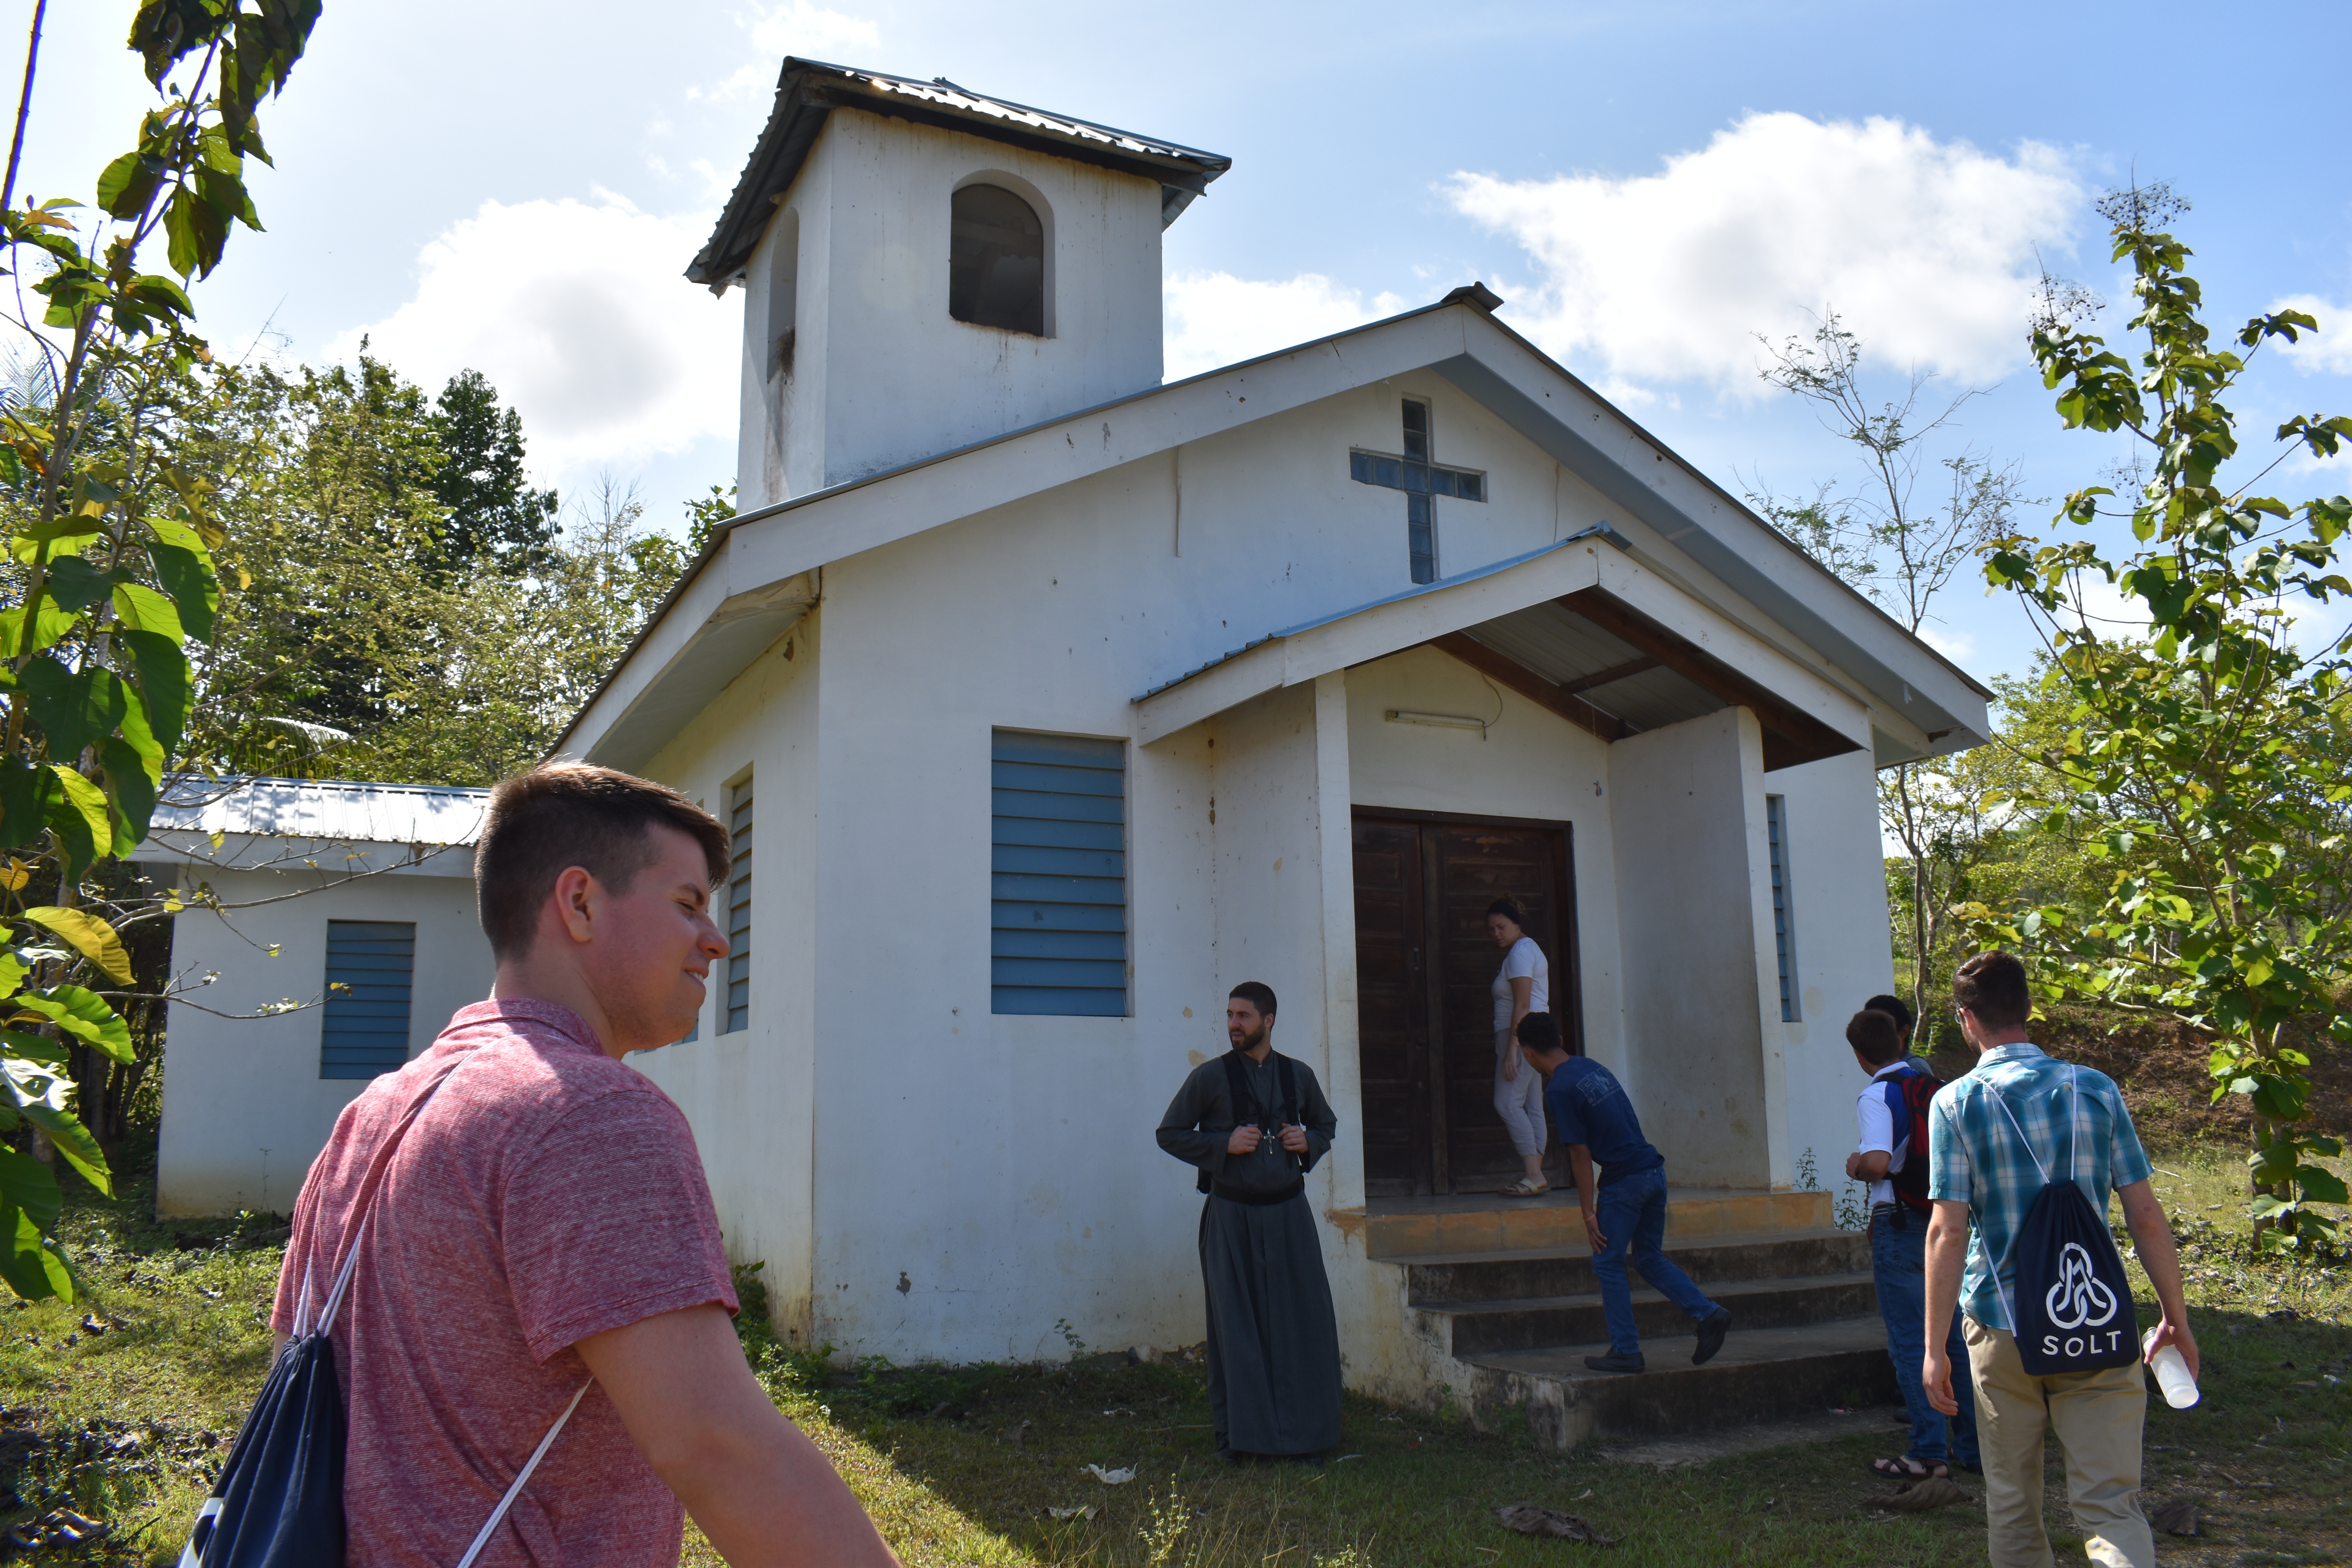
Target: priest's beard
[[1245, 1040]]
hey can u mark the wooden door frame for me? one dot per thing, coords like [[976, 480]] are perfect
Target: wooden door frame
[[1433, 1045]]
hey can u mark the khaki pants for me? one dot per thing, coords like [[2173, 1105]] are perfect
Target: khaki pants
[[2098, 1416]]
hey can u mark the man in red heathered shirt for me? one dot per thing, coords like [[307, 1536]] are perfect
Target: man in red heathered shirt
[[544, 1221]]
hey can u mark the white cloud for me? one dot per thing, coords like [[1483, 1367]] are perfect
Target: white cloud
[[1214, 319], [2327, 351], [799, 27], [579, 315], [1926, 248], [1958, 646]]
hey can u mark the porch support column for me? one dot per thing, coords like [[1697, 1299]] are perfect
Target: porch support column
[[1704, 1046], [1341, 1068]]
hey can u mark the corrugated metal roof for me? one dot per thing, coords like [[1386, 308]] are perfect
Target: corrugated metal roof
[[808, 90], [1561, 645], [343, 811]]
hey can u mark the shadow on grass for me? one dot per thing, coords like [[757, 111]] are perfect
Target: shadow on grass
[[968, 1466]]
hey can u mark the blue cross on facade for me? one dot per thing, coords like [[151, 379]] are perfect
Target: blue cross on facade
[[1423, 481]]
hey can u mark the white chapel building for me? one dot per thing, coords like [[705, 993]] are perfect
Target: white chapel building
[[1050, 701]]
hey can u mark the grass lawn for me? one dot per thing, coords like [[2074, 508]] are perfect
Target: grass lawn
[[124, 1424]]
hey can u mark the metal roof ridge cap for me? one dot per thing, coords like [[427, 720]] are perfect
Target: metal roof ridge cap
[[1203, 153]]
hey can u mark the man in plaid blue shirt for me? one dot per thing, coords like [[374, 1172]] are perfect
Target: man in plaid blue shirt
[[1982, 1179]]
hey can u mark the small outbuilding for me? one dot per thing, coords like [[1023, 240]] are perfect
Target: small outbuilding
[[328, 933]]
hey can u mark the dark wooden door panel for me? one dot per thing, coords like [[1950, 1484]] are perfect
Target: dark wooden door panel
[[1425, 966], [1391, 1041], [1477, 866]]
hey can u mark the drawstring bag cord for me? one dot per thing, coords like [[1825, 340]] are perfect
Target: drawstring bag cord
[[2074, 1170], [364, 1207]]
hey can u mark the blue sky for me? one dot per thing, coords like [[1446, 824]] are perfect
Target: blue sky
[[518, 188]]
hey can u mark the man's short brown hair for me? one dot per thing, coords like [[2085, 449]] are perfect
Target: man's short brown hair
[[1992, 986], [1875, 1037], [561, 815]]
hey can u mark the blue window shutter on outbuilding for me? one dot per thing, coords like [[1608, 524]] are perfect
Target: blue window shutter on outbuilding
[[1058, 870], [370, 964]]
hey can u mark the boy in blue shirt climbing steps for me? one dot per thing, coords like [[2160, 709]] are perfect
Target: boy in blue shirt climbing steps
[[1624, 1205]]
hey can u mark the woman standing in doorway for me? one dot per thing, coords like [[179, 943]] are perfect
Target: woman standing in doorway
[[1523, 985]]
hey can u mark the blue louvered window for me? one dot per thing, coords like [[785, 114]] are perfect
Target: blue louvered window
[[1059, 875], [739, 916], [1775, 833], [370, 964]]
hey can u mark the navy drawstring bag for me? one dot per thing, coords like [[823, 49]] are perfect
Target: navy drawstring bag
[[280, 1501], [2071, 1308]]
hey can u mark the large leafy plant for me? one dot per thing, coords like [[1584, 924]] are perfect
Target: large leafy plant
[[2202, 762], [109, 569]]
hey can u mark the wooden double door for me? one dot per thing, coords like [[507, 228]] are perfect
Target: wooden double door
[[1425, 966]]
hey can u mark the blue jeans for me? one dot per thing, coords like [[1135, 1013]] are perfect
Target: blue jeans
[[1898, 1263], [1632, 1215]]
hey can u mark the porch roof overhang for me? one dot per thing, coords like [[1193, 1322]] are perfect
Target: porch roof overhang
[[1577, 628]]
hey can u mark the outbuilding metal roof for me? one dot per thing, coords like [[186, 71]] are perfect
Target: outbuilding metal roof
[[808, 90], [343, 811]]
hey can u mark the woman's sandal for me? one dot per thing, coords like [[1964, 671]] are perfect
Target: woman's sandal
[[1526, 1187], [1903, 1469]]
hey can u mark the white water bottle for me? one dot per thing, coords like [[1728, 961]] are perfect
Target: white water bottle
[[2172, 1375]]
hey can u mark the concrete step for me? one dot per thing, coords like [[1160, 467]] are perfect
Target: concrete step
[[1483, 1224], [1476, 1328], [1445, 1279], [1761, 1375]]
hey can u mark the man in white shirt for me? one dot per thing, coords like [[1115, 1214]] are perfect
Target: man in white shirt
[[1889, 1111]]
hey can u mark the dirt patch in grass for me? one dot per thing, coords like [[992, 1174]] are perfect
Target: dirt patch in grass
[[2161, 1069]]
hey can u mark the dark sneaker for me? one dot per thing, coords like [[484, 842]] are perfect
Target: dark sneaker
[[1612, 1361], [1711, 1331]]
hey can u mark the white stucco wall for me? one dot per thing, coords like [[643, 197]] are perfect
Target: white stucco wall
[[749, 1094], [1701, 1069], [881, 374], [1837, 887], [245, 1111]]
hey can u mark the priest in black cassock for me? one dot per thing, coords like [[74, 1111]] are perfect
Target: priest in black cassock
[[1255, 1124]]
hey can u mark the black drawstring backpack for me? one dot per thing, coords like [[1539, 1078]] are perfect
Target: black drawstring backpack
[[280, 1501], [2071, 1308]]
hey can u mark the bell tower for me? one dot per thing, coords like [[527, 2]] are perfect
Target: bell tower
[[924, 267]]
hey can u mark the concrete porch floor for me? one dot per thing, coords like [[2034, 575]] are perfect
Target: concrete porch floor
[[1397, 1228]]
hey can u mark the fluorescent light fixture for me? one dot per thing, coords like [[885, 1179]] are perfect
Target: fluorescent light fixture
[[1437, 720]]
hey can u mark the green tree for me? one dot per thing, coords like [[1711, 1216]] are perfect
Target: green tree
[[1915, 517], [2204, 762], [704, 516], [348, 595], [110, 571], [519, 655], [493, 512]]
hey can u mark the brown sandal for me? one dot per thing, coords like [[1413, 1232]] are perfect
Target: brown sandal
[[1526, 1187]]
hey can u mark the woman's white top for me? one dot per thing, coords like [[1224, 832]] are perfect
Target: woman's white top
[[1524, 961]]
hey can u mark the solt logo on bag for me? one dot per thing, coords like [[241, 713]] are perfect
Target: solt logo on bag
[[2079, 1301]]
